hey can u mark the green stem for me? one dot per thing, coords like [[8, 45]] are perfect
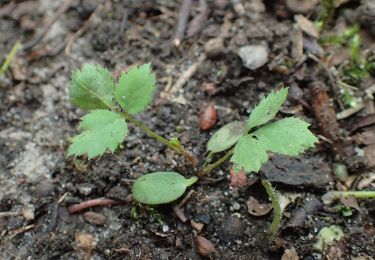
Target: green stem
[[207, 169], [357, 194], [17, 46], [277, 214], [179, 149], [331, 196], [208, 159]]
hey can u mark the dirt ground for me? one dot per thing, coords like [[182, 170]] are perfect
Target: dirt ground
[[38, 182]]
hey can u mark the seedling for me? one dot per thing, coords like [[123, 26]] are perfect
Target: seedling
[[356, 68], [247, 144]]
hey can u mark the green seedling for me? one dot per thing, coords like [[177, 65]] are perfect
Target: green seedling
[[358, 67], [328, 236], [247, 144], [255, 139]]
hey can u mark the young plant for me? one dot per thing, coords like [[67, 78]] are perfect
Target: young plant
[[111, 105], [254, 139], [247, 144]]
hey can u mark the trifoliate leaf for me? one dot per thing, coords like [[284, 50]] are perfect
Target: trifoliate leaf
[[135, 89], [226, 136], [288, 136], [248, 155], [101, 130], [92, 87], [267, 108], [160, 187]]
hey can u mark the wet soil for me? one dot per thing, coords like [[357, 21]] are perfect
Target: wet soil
[[39, 183]]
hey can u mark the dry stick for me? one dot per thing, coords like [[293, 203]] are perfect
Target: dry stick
[[186, 75], [178, 208], [9, 214], [198, 21], [181, 24], [62, 9], [329, 74], [93, 203], [20, 230], [81, 30]]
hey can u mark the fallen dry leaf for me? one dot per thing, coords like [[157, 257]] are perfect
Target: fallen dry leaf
[[290, 254], [306, 25], [205, 247], [257, 209], [350, 202], [197, 225], [366, 180], [85, 244]]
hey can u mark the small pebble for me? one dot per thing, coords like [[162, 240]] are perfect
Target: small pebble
[[85, 189], [208, 117], [165, 228], [28, 212], [94, 218], [44, 189], [236, 206], [254, 56], [233, 228], [214, 48]]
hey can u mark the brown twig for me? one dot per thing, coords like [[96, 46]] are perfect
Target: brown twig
[[198, 21], [62, 9], [185, 77], [178, 208], [20, 230], [93, 203], [81, 30], [182, 20], [9, 214]]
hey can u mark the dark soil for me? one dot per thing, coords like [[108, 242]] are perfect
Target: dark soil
[[39, 183]]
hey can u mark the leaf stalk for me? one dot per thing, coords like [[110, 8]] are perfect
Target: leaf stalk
[[178, 148]]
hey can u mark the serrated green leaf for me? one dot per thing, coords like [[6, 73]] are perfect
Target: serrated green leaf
[[248, 155], [160, 187], [135, 89], [226, 136], [92, 87], [288, 136], [267, 108], [101, 130]]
